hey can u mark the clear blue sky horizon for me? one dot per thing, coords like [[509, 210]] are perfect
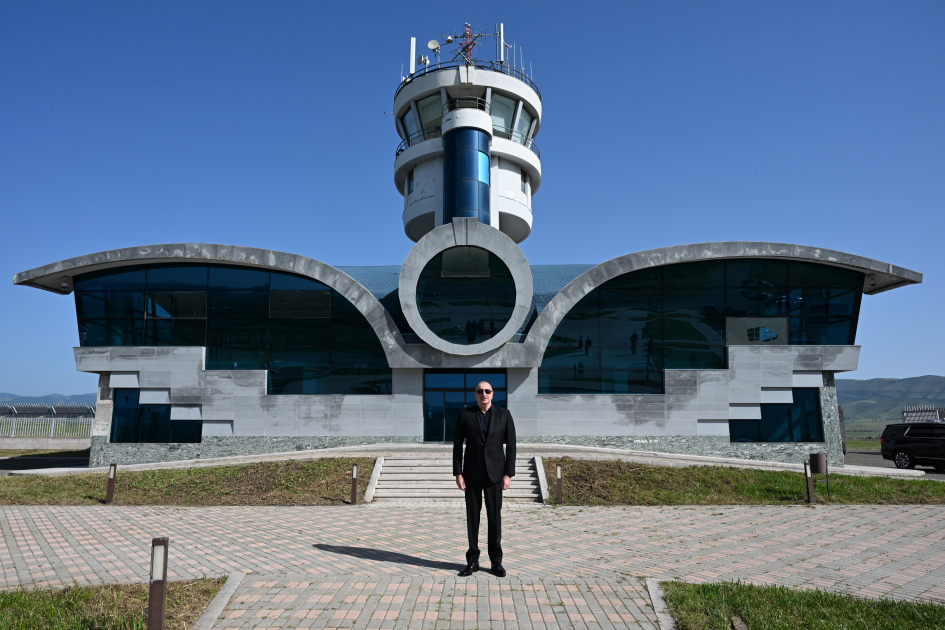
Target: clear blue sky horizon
[[664, 123]]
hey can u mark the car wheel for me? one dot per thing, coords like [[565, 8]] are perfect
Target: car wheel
[[903, 460]]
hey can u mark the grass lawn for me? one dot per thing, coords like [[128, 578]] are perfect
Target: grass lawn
[[861, 445], [712, 606], [109, 607], [606, 482], [318, 482], [41, 453]]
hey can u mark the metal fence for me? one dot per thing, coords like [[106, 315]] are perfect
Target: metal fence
[[46, 427]]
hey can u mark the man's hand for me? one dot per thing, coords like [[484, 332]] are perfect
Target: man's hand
[[506, 482], [460, 483]]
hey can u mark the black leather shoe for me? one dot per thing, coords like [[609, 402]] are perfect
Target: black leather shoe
[[498, 569], [470, 568]]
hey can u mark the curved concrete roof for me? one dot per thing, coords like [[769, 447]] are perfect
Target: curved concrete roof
[[880, 276], [50, 277], [515, 355]]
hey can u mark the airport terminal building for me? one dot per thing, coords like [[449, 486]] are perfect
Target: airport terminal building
[[726, 349]]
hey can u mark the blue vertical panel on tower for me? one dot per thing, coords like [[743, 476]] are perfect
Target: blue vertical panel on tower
[[466, 175]]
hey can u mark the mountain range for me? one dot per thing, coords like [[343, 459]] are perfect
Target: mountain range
[[884, 398], [49, 399]]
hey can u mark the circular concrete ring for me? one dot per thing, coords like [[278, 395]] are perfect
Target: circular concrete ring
[[468, 232]]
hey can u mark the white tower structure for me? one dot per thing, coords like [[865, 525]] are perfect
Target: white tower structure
[[467, 128]]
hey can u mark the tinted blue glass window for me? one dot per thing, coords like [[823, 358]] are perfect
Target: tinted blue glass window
[[177, 278], [286, 282], [237, 278], [799, 421], [136, 423], [132, 280], [466, 175], [621, 336], [440, 381], [463, 302]]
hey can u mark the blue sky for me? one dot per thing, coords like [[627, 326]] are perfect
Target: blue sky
[[664, 123]]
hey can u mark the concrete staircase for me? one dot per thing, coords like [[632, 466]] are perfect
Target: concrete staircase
[[431, 478]]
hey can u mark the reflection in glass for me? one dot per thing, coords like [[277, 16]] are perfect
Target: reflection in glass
[[799, 421], [465, 295], [136, 423], [466, 175], [674, 317]]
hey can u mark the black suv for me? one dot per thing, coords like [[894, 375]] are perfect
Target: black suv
[[914, 443]]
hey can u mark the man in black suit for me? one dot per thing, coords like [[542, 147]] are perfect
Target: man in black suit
[[485, 470]]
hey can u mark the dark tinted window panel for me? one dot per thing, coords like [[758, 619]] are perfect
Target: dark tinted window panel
[[300, 382], [177, 304], [186, 431], [705, 274], [175, 332], [567, 358], [823, 276], [364, 359], [287, 282], [444, 381], [111, 332], [644, 278], [799, 421], [758, 300], [824, 302], [233, 278], [131, 280], [711, 357], [818, 331], [585, 381], [236, 359], [297, 359], [238, 304], [300, 333], [360, 381], [237, 333], [744, 430], [154, 423], [755, 273], [283, 304], [108, 304], [497, 381], [124, 416], [177, 278]]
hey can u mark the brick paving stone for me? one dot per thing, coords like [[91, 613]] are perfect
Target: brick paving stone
[[394, 565]]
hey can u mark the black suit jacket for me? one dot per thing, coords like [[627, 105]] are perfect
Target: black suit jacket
[[485, 462]]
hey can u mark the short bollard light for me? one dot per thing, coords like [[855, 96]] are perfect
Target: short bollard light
[[157, 593], [354, 484], [560, 498], [811, 497], [112, 473], [818, 466]]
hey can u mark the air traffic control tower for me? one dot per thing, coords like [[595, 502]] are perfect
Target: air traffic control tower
[[468, 130]]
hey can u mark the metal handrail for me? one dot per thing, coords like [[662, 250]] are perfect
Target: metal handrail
[[515, 136], [467, 102], [424, 134], [46, 427], [492, 66]]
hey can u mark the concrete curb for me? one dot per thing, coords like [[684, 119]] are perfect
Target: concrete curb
[[217, 606], [664, 619], [372, 484], [542, 482]]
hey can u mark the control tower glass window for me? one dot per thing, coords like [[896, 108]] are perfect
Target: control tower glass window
[[465, 295], [431, 114], [524, 124], [466, 175], [503, 111]]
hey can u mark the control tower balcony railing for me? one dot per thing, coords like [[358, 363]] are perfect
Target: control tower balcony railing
[[515, 136], [467, 102], [492, 66], [498, 132]]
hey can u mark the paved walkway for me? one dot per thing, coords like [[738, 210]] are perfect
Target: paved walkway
[[394, 566]]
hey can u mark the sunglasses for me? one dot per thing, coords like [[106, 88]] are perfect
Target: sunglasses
[[483, 391]]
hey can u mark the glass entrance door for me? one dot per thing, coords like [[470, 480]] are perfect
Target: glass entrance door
[[447, 392]]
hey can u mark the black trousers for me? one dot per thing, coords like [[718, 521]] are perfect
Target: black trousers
[[493, 494]]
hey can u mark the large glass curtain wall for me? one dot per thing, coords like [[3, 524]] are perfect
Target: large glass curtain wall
[[466, 175], [622, 335], [309, 337], [465, 295]]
